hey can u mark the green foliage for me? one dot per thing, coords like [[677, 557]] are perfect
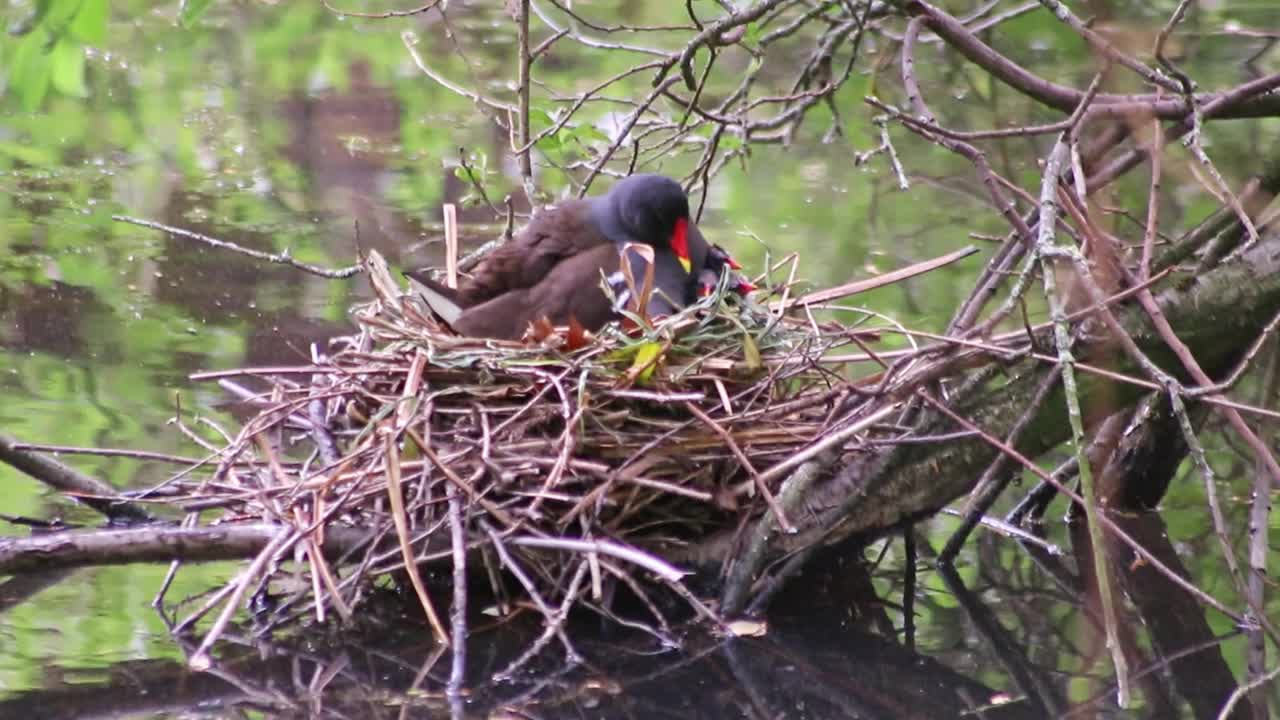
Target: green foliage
[[192, 11], [51, 53]]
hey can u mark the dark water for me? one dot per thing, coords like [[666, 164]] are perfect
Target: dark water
[[283, 127]]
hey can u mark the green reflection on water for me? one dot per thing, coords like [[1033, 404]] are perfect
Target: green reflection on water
[[282, 126]]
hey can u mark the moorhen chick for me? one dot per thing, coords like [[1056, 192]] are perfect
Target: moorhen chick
[[720, 261], [553, 267]]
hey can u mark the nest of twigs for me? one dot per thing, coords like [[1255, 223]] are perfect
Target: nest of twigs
[[551, 471]]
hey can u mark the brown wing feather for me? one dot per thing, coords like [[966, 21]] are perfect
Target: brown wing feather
[[552, 236], [572, 288]]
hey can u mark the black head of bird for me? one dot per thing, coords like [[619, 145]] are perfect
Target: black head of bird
[[654, 210]]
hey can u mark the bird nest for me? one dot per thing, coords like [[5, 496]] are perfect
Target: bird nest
[[542, 474]]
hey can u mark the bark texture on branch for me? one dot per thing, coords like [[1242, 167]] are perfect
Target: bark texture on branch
[[89, 490], [155, 543], [1217, 315]]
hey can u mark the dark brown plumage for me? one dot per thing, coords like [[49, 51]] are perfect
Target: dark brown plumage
[[555, 265]]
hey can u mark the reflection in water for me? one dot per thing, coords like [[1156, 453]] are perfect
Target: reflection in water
[[831, 651], [237, 153], [800, 669]]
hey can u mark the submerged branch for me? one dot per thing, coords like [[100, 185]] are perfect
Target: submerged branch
[[65, 479], [155, 543]]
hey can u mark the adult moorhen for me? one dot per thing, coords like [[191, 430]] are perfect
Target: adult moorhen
[[553, 267]]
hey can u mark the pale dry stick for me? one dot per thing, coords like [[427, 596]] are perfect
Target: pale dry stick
[[1258, 533], [410, 40], [1174, 388], [523, 81], [106, 452], [840, 292], [1192, 143], [1246, 688], [1183, 353], [761, 487], [553, 623], [472, 496], [1220, 102], [1163, 36], [1153, 198], [581, 99], [887, 143], [310, 545], [1047, 251], [1009, 530], [408, 405], [382, 15], [828, 440], [653, 564], [1099, 43], [451, 245], [623, 132], [595, 43], [1067, 492], [712, 33], [396, 499], [157, 602], [282, 258], [1201, 462], [458, 613], [995, 478], [234, 592]]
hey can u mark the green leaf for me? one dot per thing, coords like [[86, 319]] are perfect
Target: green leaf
[[68, 68], [539, 120], [29, 72], [588, 133], [192, 11], [751, 353], [59, 14], [90, 24], [646, 358]]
